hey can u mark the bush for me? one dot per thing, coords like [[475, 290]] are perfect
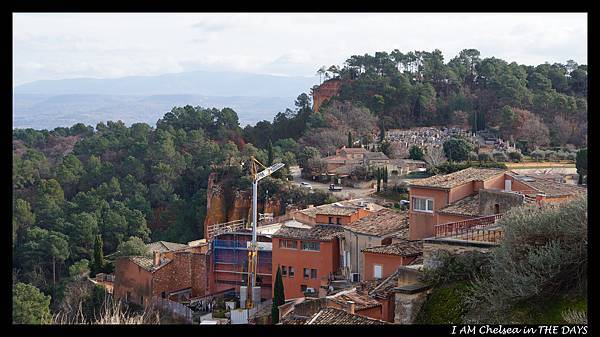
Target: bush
[[544, 252], [538, 155], [515, 156], [473, 156], [445, 305], [500, 157], [446, 268], [550, 156], [484, 157]]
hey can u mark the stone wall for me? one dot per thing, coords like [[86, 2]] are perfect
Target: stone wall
[[432, 248], [407, 306], [505, 200], [186, 270]]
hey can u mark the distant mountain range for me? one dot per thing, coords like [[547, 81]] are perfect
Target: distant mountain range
[[50, 103]]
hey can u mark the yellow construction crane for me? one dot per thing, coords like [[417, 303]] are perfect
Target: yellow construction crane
[[253, 248]]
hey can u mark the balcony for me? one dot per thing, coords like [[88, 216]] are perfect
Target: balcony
[[482, 229]]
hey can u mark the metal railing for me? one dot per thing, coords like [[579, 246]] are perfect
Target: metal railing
[[454, 228], [225, 227], [480, 234]]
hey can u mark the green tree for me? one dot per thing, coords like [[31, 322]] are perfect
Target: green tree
[[457, 149], [23, 218], [132, 247], [30, 305], [79, 269], [278, 296], [378, 180], [350, 141], [581, 164], [381, 131], [415, 153], [98, 258], [270, 154]]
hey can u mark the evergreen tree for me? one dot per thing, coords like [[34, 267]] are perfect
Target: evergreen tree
[[378, 180], [350, 142], [270, 153], [382, 132], [30, 305], [385, 178], [98, 261], [278, 296]]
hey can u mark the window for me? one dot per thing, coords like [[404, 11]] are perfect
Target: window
[[128, 296], [337, 221], [289, 244], [291, 271], [163, 295], [497, 209], [313, 273], [142, 300], [308, 245], [377, 271], [422, 205], [303, 287], [283, 270], [330, 220], [306, 273]]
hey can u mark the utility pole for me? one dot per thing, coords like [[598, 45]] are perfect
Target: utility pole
[[253, 248]]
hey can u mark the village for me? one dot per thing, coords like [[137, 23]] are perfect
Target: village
[[354, 261]]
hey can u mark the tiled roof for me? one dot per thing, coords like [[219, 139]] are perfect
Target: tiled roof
[[148, 263], [292, 319], [332, 316], [381, 223], [318, 232], [382, 288], [465, 206], [361, 299], [376, 156], [550, 187], [165, 246], [354, 149], [457, 178], [406, 248], [339, 209]]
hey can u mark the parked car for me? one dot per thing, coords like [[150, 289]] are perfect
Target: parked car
[[334, 188], [306, 185]]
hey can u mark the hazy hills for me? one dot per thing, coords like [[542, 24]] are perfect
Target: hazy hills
[[51, 103]]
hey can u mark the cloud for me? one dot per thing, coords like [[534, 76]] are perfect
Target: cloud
[[55, 45]]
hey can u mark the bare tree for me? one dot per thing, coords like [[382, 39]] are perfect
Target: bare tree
[[434, 156]]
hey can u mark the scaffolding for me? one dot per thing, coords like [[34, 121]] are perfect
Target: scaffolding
[[230, 259]]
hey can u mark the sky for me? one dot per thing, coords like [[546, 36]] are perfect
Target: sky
[[111, 45]]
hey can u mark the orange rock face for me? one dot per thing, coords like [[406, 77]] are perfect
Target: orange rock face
[[324, 92]]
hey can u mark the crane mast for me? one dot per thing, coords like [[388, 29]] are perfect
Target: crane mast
[[253, 248]]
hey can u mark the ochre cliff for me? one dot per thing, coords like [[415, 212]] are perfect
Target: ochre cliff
[[324, 92]]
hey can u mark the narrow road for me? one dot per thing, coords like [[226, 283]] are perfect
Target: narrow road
[[346, 193]]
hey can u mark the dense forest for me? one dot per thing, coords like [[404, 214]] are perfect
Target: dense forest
[[536, 106], [81, 192]]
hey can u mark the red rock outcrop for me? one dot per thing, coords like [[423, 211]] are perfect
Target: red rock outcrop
[[325, 91]]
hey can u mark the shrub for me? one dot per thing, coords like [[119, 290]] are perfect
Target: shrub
[[500, 157], [550, 155], [544, 252], [484, 157], [473, 156], [515, 156], [538, 155]]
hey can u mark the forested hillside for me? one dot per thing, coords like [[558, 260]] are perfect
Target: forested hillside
[[543, 105], [80, 192]]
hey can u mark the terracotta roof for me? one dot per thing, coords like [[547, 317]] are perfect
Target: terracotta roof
[[337, 209], [165, 246], [466, 206], [354, 149], [376, 156], [382, 288], [332, 316], [293, 320], [361, 299], [318, 232], [406, 248], [381, 223], [457, 178], [550, 187], [148, 263]]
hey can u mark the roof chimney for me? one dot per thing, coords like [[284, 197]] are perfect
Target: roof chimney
[[351, 307], [156, 258]]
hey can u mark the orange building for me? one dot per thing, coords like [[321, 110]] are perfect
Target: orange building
[[339, 213], [382, 261], [308, 257], [181, 276], [476, 192]]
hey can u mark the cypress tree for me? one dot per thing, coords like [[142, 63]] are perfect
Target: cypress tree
[[382, 132], [278, 296], [98, 261], [270, 153], [350, 142], [385, 178], [378, 180]]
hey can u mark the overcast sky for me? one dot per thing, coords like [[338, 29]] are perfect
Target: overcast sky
[[58, 46]]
